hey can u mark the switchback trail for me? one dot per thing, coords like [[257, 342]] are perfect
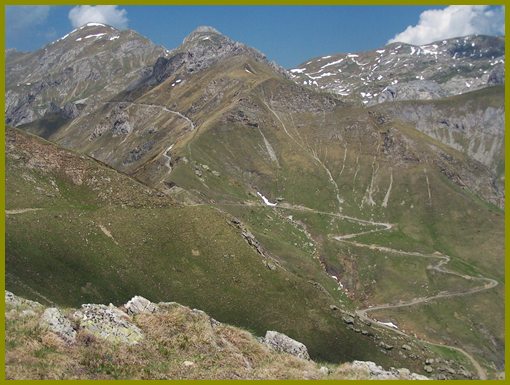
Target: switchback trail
[[440, 259]]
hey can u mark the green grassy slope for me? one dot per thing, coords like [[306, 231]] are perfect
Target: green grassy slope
[[100, 236]]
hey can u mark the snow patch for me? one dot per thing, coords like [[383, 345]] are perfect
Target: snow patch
[[332, 63], [390, 324], [114, 37], [297, 70], [97, 35], [266, 201]]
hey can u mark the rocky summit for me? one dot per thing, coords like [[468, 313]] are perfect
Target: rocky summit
[[349, 211]]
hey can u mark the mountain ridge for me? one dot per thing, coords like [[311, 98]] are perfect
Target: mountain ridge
[[383, 74]]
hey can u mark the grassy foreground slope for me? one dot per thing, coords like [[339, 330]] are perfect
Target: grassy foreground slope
[[94, 235], [172, 342]]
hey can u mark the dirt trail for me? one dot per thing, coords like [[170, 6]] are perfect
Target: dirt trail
[[191, 124], [20, 211], [441, 261]]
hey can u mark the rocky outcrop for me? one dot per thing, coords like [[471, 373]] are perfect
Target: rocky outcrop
[[414, 90], [15, 301], [92, 334], [108, 323], [376, 372], [56, 322], [269, 261], [68, 111], [282, 343], [497, 75], [117, 121], [139, 305]]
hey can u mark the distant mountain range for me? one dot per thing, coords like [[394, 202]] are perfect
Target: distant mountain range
[[402, 71]]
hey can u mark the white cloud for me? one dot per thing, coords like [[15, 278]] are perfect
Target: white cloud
[[19, 18], [454, 21], [106, 14]]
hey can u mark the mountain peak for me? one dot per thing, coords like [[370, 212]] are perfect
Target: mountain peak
[[205, 29], [95, 25], [202, 31]]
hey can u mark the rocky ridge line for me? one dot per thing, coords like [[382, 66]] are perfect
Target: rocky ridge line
[[116, 325]]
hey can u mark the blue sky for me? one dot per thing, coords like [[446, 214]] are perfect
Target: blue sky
[[288, 35]]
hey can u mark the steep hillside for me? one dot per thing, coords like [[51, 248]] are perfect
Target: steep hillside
[[472, 123], [73, 74], [402, 71], [439, 72], [80, 232]]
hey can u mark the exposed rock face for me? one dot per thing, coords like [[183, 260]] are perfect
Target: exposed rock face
[[117, 121], [138, 305], [282, 343], [476, 130], [109, 323], [16, 301], [252, 241], [67, 111], [85, 67], [56, 322], [376, 372], [413, 90], [474, 126], [497, 75]]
